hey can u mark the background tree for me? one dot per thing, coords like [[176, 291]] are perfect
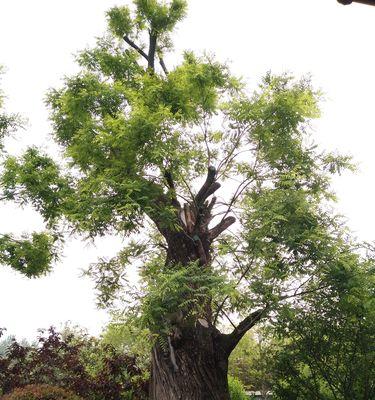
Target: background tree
[[144, 148], [251, 362], [327, 346], [30, 254], [126, 336]]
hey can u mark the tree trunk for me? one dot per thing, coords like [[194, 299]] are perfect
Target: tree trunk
[[192, 366], [191, 362]]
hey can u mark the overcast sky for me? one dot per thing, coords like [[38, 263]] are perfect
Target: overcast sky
[[335, 44]]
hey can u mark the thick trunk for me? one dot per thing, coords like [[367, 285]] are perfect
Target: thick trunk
[[193, 366], [192, 362]]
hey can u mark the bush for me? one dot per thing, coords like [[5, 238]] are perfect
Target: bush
[[236, 389], [40, 392], [74, 361]]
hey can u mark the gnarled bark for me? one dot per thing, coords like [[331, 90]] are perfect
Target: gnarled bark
[[191, 363], [197, 370]]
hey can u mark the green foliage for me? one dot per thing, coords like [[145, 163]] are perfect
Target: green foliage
[[120, 22], [236, 389], [40, 392], [126, 336], [327, 345], [173, 291], [36, 179], [251, 360], [136, 141], [160, 16], [30, 256], [8, 122]]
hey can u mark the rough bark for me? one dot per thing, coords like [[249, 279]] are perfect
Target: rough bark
[[191, 362], [197, 370]]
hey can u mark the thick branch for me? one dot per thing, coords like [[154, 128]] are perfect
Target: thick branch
[[237, 334], [151, 51], [135, 47], [212, 189], [210, 180], [221, 227], [169, 179], [211, 205], [163, 66]]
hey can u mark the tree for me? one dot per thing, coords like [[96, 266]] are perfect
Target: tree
[[327, 347], [30, 255], [126, 336], [250, 362], [146, 148]]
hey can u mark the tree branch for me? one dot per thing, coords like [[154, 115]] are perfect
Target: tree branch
[[221, 227], [135, 47], [189, 218], [163, 66], [169, 179], [210, 180], [172, 187], [151, 51], [212, 189], [237, 334]]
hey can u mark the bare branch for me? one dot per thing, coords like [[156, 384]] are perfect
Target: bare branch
[[210, 180], [246, 324], [135, 47], [221, 227], [212, 189], [244, 273], [227, 317], [302, 293], [163, 66], [151, 51], [211, 205]]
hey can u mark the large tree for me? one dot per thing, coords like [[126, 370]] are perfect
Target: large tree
[[146, 148]]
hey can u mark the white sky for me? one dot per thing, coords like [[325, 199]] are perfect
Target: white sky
[[332, 42]]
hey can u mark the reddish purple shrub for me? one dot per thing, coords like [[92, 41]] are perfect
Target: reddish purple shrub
[[78, 363]]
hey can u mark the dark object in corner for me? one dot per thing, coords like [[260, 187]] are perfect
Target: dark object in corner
[[368, 2]]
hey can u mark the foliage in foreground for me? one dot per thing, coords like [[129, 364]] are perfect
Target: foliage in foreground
[[40, 392], [236, 389], [79, 363]]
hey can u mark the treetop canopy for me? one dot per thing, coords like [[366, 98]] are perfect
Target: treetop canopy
[[136, 140]]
